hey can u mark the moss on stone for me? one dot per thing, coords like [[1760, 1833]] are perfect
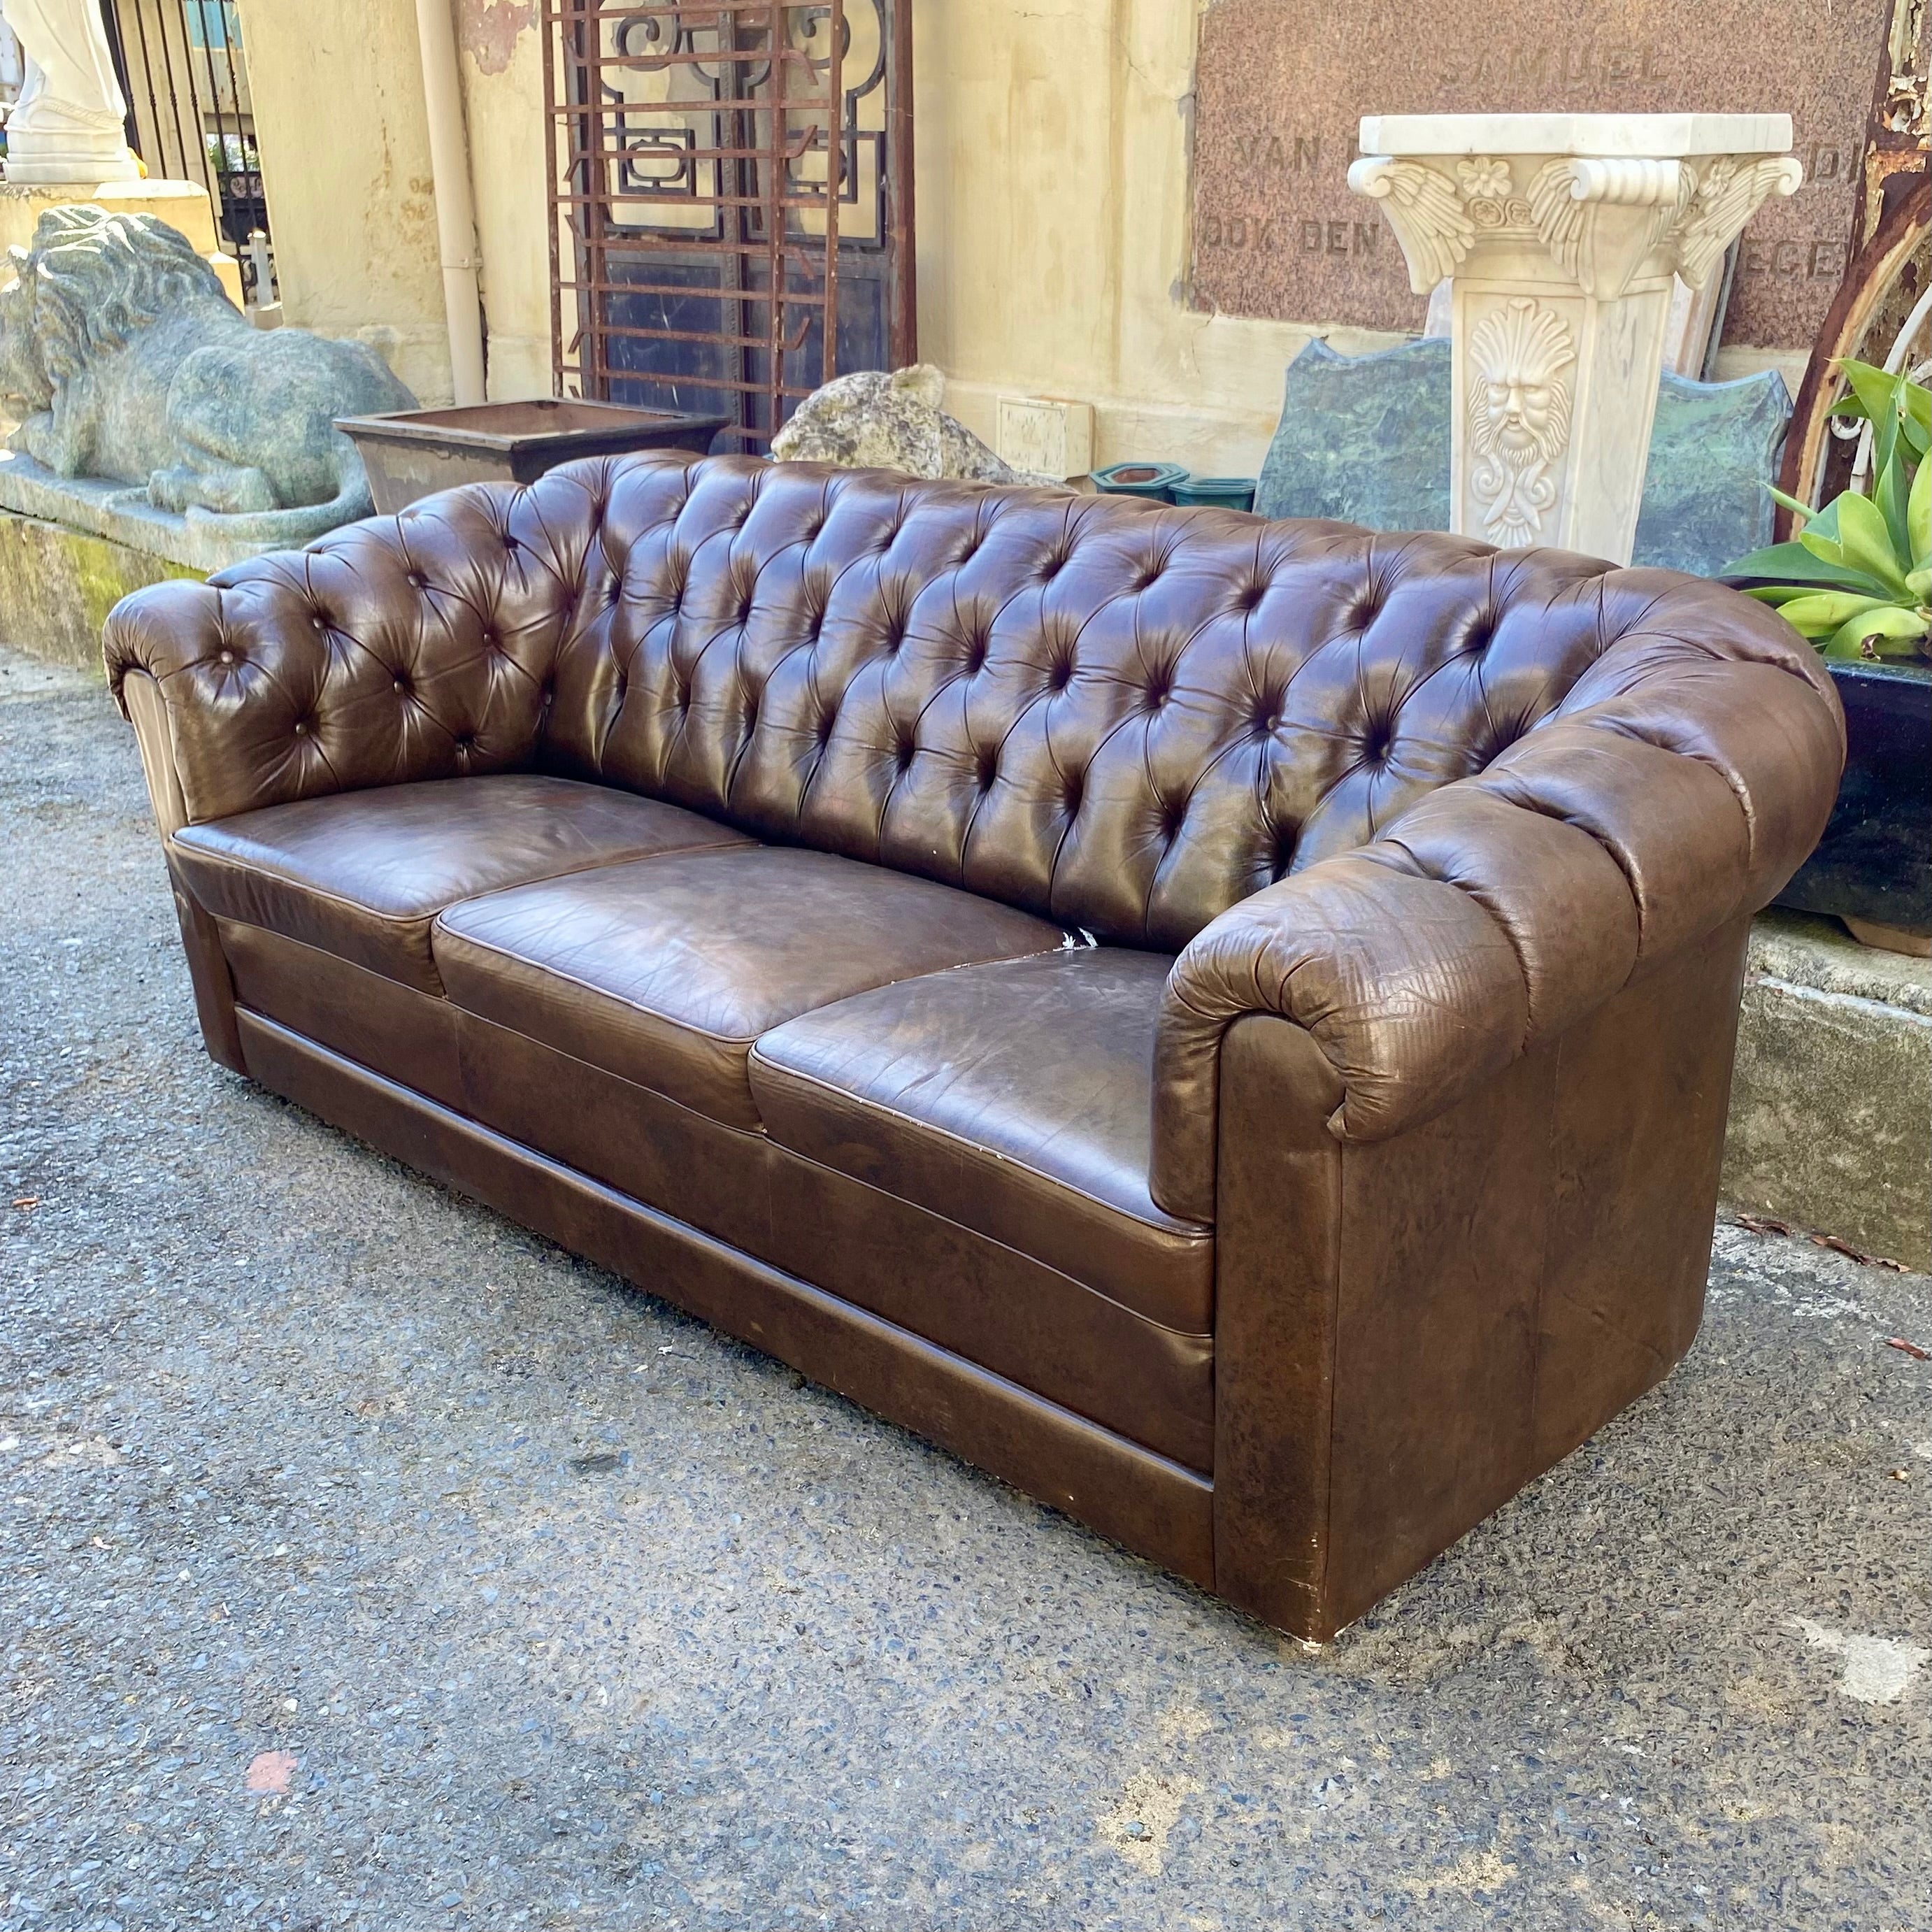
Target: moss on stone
[[57, 586]]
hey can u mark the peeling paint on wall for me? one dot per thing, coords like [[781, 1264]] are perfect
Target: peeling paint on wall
[[487, 30]]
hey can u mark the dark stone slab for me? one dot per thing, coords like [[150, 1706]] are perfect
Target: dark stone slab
[[1282, 85], [1364, 438], [1713, 448], [1367, 438]]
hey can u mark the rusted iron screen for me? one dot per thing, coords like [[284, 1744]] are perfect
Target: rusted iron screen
[[731, 191]]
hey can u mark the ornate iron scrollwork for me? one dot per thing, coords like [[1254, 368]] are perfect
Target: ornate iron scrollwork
[[720, 173]]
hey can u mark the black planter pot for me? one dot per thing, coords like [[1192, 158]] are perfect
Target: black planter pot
[[1875, 860]]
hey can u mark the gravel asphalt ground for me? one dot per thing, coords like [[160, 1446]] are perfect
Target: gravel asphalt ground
[[369, 1565]]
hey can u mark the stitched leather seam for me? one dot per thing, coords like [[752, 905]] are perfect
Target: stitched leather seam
[[746, 1040], [985, 1155], [434, 913]]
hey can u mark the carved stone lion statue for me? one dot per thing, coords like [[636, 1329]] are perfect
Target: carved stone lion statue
[[873, 421], [126, 360]]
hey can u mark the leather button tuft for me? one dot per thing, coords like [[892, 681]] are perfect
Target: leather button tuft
[[402, 684], [301, 727], [417, 581], [1281, 854], [227, 657], [319, 621]]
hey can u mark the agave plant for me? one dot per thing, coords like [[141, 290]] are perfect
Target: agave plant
[[1858, 581]]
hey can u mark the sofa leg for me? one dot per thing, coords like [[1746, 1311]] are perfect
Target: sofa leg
[[1408, 1331]]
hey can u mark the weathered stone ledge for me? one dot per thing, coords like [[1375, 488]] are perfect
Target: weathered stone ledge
[[1831, 1124]]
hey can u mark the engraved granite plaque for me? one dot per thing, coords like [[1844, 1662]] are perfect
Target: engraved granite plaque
[[1282, 86]]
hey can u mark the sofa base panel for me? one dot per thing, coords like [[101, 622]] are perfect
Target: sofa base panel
[[1151, 1506]]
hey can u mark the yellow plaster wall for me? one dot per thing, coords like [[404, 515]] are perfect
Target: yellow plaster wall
[[337, 89], [1053, 209], [1053, 156]]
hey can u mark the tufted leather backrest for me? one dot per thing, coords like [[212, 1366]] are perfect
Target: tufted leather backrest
[[1124, 717], [397, 649]]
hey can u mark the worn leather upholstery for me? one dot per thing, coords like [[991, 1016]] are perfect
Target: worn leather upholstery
[[1685, 775], [666, 972], [1447, 853], [1016, 1098], [364, 875]]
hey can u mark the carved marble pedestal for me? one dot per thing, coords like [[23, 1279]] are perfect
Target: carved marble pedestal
[[1559, 234]]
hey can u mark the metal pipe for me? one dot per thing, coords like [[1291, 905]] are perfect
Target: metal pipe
[[455, 204]]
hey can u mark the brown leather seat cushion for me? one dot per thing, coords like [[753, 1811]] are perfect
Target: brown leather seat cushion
[[1014, 1098], [363, 875], [665, 973]]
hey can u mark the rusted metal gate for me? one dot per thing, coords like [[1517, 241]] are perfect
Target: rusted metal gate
[[190, 116], [731, 200]]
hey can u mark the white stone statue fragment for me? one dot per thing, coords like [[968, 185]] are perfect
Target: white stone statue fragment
[[70, 123]]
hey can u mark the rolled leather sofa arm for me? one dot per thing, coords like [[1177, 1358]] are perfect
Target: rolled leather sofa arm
[[1674, 789], [422, 646]]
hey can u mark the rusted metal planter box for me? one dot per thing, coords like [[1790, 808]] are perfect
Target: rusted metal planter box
[[416, 452]]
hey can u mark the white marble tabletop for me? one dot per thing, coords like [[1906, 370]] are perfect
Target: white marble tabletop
[[1659, 136]]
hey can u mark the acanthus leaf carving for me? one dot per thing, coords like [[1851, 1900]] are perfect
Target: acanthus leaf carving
[[1558, 214], [1732, 190], [1569, 198], [1425, 212]]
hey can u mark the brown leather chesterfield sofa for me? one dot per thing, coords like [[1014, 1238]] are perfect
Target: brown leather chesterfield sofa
[[1225, 1025]]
